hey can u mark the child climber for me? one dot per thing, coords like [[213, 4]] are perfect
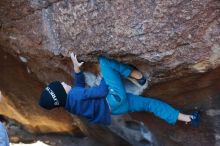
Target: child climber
[[97, 104]]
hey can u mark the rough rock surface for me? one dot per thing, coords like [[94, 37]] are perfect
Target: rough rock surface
[[199, 92], [168, 40], [20, 93], [175, 36]]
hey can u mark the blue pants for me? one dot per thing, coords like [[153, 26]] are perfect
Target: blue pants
[[121, 102], [3, 136]]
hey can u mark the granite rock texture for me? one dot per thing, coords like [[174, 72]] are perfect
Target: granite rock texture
[[175, 36], [168, 40]]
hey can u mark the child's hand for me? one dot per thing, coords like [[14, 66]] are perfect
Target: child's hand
[[76, 64]]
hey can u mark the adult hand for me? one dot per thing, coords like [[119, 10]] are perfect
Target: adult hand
[[76, 63]]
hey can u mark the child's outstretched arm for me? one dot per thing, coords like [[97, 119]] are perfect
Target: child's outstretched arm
[[76, 64], [79, 76]]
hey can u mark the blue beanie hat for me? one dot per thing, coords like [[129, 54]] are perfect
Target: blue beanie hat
[[54, 95]]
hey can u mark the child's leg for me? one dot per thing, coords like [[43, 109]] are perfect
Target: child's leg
[[112, 71], [158, 108], [184, 117], [124, 69]]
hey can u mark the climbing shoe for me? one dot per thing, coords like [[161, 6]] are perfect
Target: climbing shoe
[[142, 80], [195, 119]]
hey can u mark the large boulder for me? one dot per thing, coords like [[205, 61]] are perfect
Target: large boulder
[[168, 38], [173, 40], [20, 92]]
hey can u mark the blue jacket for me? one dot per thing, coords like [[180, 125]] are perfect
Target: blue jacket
[[90, 103], [4, 141]]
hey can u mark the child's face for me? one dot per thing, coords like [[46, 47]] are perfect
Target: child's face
[[66, 87]]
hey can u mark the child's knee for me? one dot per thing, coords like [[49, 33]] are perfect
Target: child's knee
[[118, 99], [102, 60]]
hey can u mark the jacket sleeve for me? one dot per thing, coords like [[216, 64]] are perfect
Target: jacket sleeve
[[79, 79], [4, 141], [100, 91]]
